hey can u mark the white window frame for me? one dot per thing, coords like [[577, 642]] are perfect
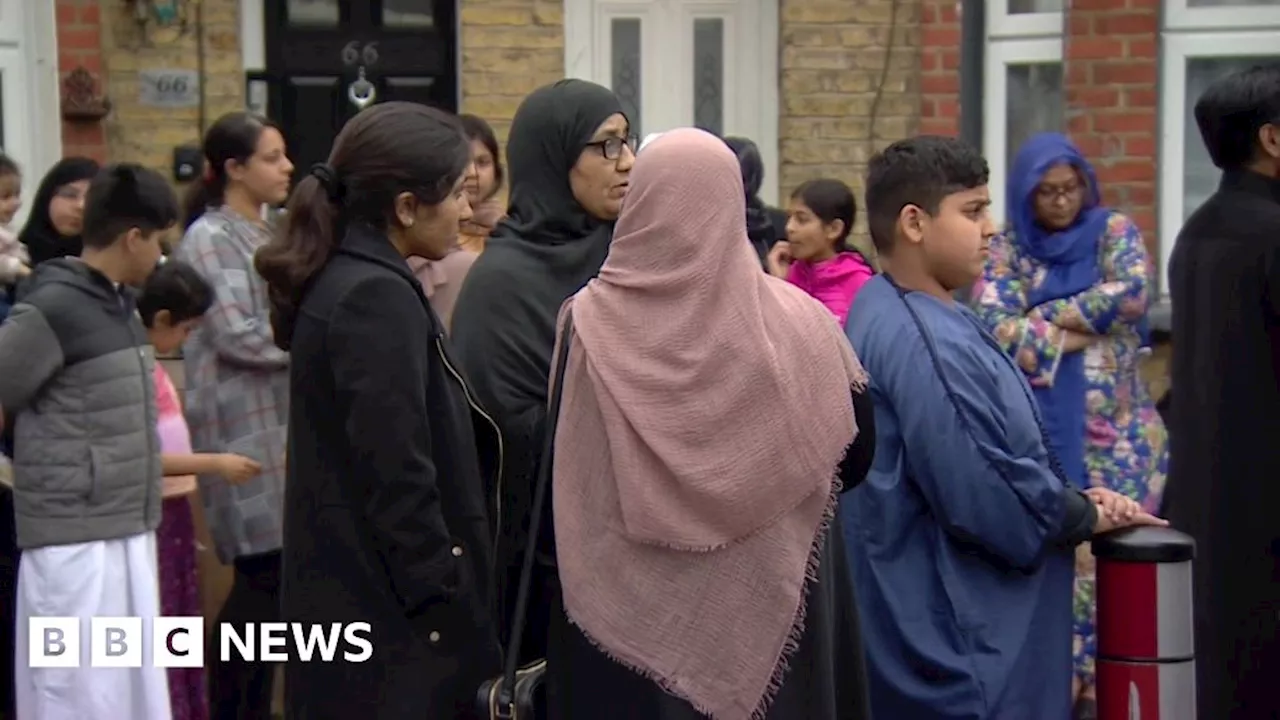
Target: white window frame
[[999, 56], [1003, 24], [584, 58], [1179, 49], [253, 35], [1179, 15], [29, 44]]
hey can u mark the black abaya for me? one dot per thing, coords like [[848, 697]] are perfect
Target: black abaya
[[1224, 279], [545, 250]]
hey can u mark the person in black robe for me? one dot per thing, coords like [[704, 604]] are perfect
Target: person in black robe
[[1224, 278], [569, 153]]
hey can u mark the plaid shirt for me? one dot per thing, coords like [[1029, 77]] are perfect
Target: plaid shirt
[[237, 394]]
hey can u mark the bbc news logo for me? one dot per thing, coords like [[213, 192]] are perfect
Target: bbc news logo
[[120, 642]]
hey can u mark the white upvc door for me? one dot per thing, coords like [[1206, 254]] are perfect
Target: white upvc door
[[29, 130], [680, 63]]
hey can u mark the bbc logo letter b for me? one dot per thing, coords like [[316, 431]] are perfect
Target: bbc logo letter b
[[53, 642], [116, 642]]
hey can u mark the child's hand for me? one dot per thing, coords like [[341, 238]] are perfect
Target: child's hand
[[237, 469], [779, 259], [23, 271]]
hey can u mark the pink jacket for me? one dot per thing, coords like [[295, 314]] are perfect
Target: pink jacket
[[834, 282]]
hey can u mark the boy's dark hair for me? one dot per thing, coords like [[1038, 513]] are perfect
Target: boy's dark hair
[[177, 287], [830, 200], [391, 148], [477, 129], [8, 166], [918, 171], [233, 136], [125, 196], [1232, 111]]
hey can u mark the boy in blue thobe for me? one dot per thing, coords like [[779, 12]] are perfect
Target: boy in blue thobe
[[961, 538]]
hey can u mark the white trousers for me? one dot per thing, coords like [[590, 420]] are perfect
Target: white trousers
[[107, 578]]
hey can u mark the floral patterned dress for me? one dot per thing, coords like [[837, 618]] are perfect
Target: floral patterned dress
[[176, 545], [1126, 445]]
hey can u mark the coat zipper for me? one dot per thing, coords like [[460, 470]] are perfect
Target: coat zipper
[[471, 401], [150, 398]]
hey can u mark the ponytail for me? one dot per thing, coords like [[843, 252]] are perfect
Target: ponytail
[[203, 192], [232, 137], [391, 148], [311, 231]]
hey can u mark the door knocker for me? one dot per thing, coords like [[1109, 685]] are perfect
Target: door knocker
[[361, 93]]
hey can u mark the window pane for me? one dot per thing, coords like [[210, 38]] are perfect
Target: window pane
[[1022, 7], [625, 70], [407, 13], [708, 74], [1034, 104], [313, 12], [1200, 177]]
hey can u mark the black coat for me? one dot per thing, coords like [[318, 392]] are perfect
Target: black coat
[[1224, 278], [385, 517], [827, 677]]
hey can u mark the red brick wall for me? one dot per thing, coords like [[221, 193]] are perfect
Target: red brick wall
[[1111, 56], [1111, 50], [80, 45], [939, 68]]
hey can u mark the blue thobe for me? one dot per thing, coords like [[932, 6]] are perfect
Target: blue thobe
[[963, 588]]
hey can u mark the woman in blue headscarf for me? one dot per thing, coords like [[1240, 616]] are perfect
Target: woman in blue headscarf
[[1065, 291]]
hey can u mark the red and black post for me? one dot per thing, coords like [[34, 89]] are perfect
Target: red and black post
[[1146, 629]]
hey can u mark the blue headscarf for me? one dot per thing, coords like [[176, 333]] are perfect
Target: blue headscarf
[[1070, 257]]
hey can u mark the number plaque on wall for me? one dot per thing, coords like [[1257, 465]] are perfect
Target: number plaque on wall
[[169, 88]]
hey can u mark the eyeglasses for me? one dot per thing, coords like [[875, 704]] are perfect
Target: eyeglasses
[[1053, 193], [611, 148]]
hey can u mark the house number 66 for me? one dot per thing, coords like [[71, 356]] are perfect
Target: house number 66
[[353, 53]]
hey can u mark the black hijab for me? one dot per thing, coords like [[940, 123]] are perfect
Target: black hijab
[[42, 239], [761, 228], [503, 329], [545, 250]]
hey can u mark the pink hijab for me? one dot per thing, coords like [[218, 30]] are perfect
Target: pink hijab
[[706, 409]]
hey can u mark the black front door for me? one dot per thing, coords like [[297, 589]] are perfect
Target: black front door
[[328, 59]]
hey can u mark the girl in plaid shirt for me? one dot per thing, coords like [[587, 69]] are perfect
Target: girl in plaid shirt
[[237, 395]]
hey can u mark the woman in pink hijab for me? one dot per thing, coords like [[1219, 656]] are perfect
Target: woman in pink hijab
[[711, 415]]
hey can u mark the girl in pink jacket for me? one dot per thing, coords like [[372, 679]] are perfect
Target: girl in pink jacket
[[814, 256]]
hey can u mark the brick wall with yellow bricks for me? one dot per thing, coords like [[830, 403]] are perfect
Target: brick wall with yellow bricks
[[849, 76]]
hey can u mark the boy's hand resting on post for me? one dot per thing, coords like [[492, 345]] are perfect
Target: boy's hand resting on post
[[1116, 511], [237, 469]]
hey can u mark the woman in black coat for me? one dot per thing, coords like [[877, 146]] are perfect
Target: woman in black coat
[[385, 521]]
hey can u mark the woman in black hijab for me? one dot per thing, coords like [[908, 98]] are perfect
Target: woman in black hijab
[[765, 225], [57, 211], [569, 153]]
